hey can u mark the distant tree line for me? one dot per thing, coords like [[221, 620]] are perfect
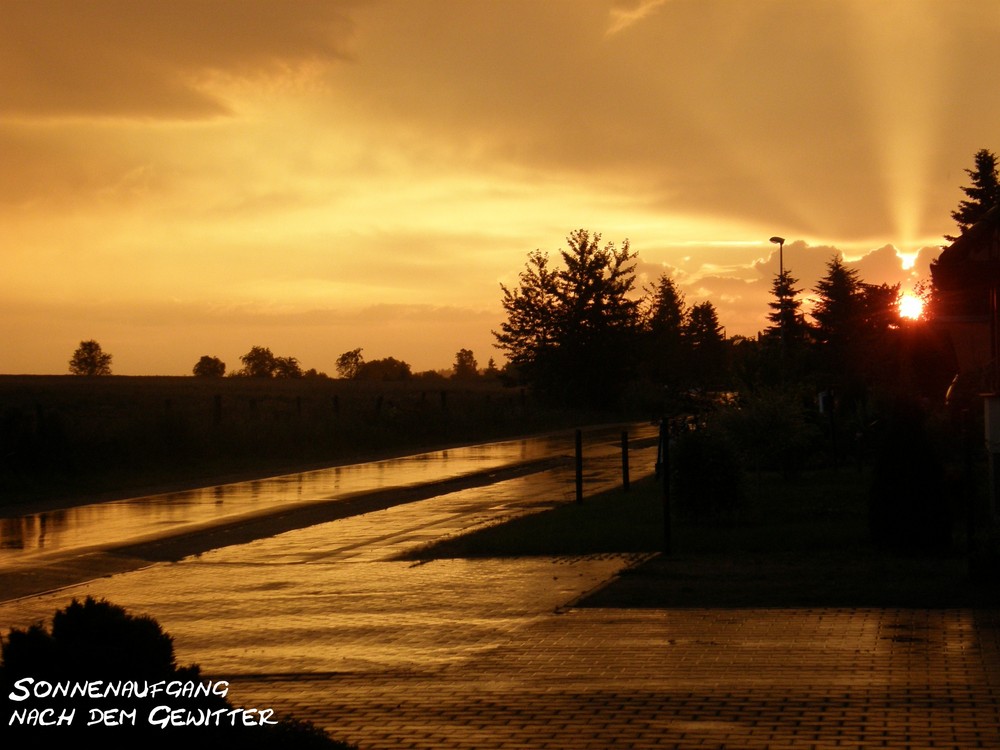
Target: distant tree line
[[260, 362]]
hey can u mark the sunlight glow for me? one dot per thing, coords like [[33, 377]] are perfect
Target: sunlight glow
[[908, 260], [911, 306]]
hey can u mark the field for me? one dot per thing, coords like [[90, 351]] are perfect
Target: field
[[72, 437]]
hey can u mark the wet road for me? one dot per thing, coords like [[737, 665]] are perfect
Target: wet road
[[328, 622], [335, 596], [105, 525]]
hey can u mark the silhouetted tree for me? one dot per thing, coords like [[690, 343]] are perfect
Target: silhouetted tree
[[287, 367], [259, 362], [788, 325], [209, 367], [707, 342], [466, 367], [983, 194], [665, 354], [349, 364], [839, 310], [90, 359], [572, 332], [530, 333], [491, 370], [384, 369]]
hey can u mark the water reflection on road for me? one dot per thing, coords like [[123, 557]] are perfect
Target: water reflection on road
[[118, 522]]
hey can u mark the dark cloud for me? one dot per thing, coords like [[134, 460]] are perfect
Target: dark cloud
[[124, 58]]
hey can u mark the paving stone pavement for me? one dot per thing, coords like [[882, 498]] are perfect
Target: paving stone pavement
[[326, 624], [602, 678]]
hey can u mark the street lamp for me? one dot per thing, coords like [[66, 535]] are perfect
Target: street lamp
[[780, 242]]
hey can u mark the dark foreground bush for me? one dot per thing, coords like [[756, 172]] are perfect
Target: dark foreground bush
[[909, 505], [110, 678], [707, 475]]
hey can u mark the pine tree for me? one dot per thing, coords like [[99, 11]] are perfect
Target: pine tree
[[572, 331], [787, 322], [839, 311], [983, 194], [665, 360], [707, 342]]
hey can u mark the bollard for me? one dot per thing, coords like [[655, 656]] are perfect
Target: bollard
[[663, 469], [579, 466], [625, 484]]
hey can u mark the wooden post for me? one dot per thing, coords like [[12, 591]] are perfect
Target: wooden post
[[664, 468], [579, 466], [625, 482]]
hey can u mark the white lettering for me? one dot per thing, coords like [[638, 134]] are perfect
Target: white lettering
[[41, 717]]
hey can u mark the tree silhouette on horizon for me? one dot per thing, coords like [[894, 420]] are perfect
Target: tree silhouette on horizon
[[89, 359]]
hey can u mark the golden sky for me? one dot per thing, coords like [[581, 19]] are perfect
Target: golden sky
[[190, 177]]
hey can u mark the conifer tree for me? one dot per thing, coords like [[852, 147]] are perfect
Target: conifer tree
[[983, 194], [787, 322], [841, 304]]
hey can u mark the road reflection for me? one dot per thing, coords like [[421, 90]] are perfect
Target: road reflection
[[118, 522]]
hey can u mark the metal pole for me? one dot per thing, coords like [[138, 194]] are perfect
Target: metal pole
[[664, 465], [625, 483], [579, 466]]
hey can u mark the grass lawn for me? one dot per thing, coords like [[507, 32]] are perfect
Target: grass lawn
[[799, 542]]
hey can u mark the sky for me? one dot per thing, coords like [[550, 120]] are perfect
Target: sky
[[196, 177]]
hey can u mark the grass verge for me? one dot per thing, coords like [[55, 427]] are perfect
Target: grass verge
[[799, 542]]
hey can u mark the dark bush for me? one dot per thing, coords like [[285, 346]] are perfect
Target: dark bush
[[909, 506], [98, 642], [707, 474]]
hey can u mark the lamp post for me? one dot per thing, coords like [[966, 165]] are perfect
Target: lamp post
[[780, 242]]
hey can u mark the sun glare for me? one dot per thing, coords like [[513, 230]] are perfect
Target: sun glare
[[911, 307]]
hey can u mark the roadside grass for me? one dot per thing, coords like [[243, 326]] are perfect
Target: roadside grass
[[614, 521], [797, 542], [825, 508]]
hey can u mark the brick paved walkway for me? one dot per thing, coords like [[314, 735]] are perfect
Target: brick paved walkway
[[601, 678], [324, 623]]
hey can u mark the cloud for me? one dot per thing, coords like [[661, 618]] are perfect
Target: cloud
[[124, 58], [624, 14]]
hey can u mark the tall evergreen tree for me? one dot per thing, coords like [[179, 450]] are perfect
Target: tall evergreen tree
[[983, 194], [707, 342], [665, 353], [667, 310], [788, 325], [839, 310], [572, 331]]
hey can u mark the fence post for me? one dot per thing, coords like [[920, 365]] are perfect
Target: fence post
[[579, 466], [663, 468], [625, 482]]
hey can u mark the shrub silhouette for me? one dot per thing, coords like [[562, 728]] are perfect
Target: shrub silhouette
[[707, 475], [98, 641], [909, 508]]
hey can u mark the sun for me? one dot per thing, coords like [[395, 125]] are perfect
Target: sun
[[911, 306]]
